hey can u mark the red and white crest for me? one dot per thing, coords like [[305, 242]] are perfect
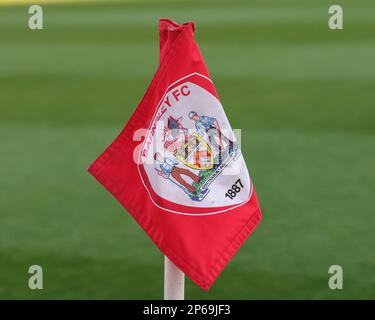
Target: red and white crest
[[177, 150]]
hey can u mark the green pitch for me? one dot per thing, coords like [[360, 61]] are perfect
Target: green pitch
[[302, 94]]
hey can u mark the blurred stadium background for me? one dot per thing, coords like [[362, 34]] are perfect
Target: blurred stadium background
[[302, 94]]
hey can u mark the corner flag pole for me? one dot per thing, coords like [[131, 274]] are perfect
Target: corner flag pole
[[174, 281]]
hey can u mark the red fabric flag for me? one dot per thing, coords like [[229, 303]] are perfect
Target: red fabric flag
[[177, 168]]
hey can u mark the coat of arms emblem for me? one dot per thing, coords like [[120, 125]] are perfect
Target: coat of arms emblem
[[194, 158], [190, 160]]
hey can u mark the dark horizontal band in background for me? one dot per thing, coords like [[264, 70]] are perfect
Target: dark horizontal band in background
[[204, 309]]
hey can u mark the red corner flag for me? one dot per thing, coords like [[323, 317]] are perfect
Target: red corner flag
[[177, 167]]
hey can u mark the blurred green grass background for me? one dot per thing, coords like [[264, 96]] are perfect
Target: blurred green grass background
[[302, 94]]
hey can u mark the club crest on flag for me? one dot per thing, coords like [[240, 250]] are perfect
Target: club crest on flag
[[190, 152]]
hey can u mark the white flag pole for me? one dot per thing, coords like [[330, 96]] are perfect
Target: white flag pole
[[174, 281]]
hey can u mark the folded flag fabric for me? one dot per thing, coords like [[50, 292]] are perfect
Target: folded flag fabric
[[177, 167]]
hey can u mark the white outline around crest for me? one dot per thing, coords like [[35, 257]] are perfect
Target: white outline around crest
[[139, 155]]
